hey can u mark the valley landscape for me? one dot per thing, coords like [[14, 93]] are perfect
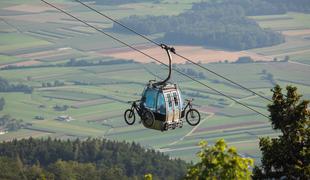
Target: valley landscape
[[76, 71]]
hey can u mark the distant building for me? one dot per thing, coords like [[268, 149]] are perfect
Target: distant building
[[3, 131], [64, 118], [39, 117]]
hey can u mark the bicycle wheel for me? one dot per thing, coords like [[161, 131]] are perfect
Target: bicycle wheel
[[148, 118], [193, 117], [129, 116]]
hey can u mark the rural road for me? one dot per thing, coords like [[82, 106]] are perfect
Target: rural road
[[189, 133], [302, 64]]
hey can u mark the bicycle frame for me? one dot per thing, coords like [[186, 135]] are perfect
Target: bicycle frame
[[136, 107], [188, 105]]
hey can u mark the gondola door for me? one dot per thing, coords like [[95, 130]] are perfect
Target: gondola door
[[169, 106], [176, 105]]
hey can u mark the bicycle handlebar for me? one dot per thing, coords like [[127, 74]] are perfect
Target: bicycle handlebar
[[189, 100], [133, 101]]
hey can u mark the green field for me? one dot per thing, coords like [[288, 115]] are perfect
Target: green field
[[4, 59], [233, 122], [12, 41], [96, 96], [296, 26]]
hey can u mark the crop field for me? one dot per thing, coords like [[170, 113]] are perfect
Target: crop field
[[98, 109], [96, 96], [4, 59], [296, 28], [196, 53], [12, 41]]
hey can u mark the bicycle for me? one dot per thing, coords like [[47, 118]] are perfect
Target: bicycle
[[192, 115], [146, 115]]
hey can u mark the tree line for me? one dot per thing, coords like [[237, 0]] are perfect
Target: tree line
[[56, 83], [82, 62], [193, 73], [73, 63], [7, 123], [288, 5], [5, 86], [2, 103], [260, 7], [103, 157], [284, 157], [222, 25], [11, 124]]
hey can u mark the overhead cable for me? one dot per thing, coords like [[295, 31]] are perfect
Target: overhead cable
[[179, 55], [130, 46]]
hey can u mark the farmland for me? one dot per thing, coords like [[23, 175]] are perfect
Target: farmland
[[296, 28], [96, 96]]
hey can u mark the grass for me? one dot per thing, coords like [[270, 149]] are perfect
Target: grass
[[295, 46], [68, 95], [302, 58], [69, 128], [4, 59], [287, 21], [23, 133], [301, 18], [13, 41], [107, 118], [116, 84], [111, 113]]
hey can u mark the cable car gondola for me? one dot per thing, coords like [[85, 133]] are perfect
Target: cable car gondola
[[161, 106]]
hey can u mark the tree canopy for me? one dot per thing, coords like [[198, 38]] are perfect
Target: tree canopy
[[113, 160], [2, 103], [260, 7], [5, 86], [223, 25], [289, 154], [220, 162]]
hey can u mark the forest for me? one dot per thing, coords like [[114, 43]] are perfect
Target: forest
[[260, 7], [207, 24], [91, 158]]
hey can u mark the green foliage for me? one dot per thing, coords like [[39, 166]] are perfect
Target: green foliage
[[74, 62], [260, 7], [93, 158], [2, 103], [193, 73], [220, 162], [245, 59], [61, 108], [74, 170], [148, 177], [5, 86], [9, 169], [289, 154], [218, 24], [37, 172], [288, 5], [11, 124]]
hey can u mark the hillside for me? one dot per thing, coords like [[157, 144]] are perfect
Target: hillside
[[52, 66], [221, 25], [91, 159]]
